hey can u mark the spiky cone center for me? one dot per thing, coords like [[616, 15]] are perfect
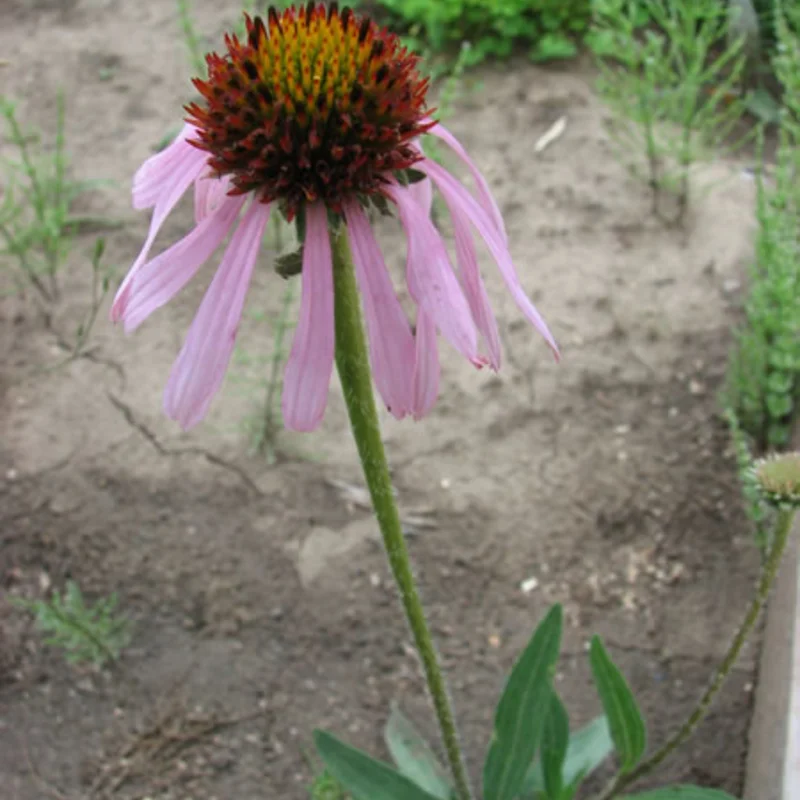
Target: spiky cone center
[[314, 104], [779, 479]]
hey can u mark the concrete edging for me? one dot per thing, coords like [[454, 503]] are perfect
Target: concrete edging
[[773, 758]]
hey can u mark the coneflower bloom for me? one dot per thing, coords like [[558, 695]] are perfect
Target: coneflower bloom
[[318, 114]]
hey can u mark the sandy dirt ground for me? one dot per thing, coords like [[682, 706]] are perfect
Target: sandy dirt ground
[[260, 598]]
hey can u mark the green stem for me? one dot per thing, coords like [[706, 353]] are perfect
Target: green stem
[[783, 528], [352, 362]]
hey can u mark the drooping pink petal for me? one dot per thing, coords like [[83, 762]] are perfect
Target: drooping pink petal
[[431, 280], [474, 288], [426, 366], [462, 203], [308, 370], [209, 192], [173, 159], [422, 191], [160, 279], [168, 181], [391, 343], [200, 367], [484, 192]]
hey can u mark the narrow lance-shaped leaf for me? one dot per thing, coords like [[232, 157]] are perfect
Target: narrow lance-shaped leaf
[[588, 748], [522, 712], [414, 757], [555, 741], [362, 776], [681, 793], [624, 718]]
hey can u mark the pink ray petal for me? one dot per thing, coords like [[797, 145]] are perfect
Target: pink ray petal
[[391, 342], [474, 288], [172, 186], [484, 192], [426, 366], [462, 202], [173, 159], [200, 367], [209, 192], [308, 370], [422, 191], [431, 280], [160, 279]]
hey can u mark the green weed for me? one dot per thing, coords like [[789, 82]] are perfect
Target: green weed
[[87, 634], [673, 87], [494, 28], [786, 63], [763, 386], [36, 219], [326, 787], [763, 382]]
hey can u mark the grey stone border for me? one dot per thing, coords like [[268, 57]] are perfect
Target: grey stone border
[[773, 759]]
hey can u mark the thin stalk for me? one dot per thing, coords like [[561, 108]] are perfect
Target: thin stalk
[[276, 362], [28, 268], [57, 203], [352, 362], [264, 442], [783, 528]]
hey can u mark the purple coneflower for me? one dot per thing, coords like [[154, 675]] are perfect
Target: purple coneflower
[[318, 114]]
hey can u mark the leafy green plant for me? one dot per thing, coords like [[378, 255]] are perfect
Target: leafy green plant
[[530, 719], [87, 634], [786, 63], [532, 754], [763, 382], [673, 87], [36, 209], [549, 28], [771, 15]]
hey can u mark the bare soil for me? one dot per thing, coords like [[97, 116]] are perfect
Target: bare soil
[[261, 600]]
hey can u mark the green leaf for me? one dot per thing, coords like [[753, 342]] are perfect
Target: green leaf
[[522, 712], [414, 757], [681, 793], [363, 776], [588, 748], [555, 740], [552, 46], [624, 718]]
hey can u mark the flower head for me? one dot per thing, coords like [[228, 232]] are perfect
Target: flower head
[[314, 105], [778, 477], [319, 114]]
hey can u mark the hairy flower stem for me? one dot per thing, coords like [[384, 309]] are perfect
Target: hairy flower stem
[[769, 572], [352, 362]]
